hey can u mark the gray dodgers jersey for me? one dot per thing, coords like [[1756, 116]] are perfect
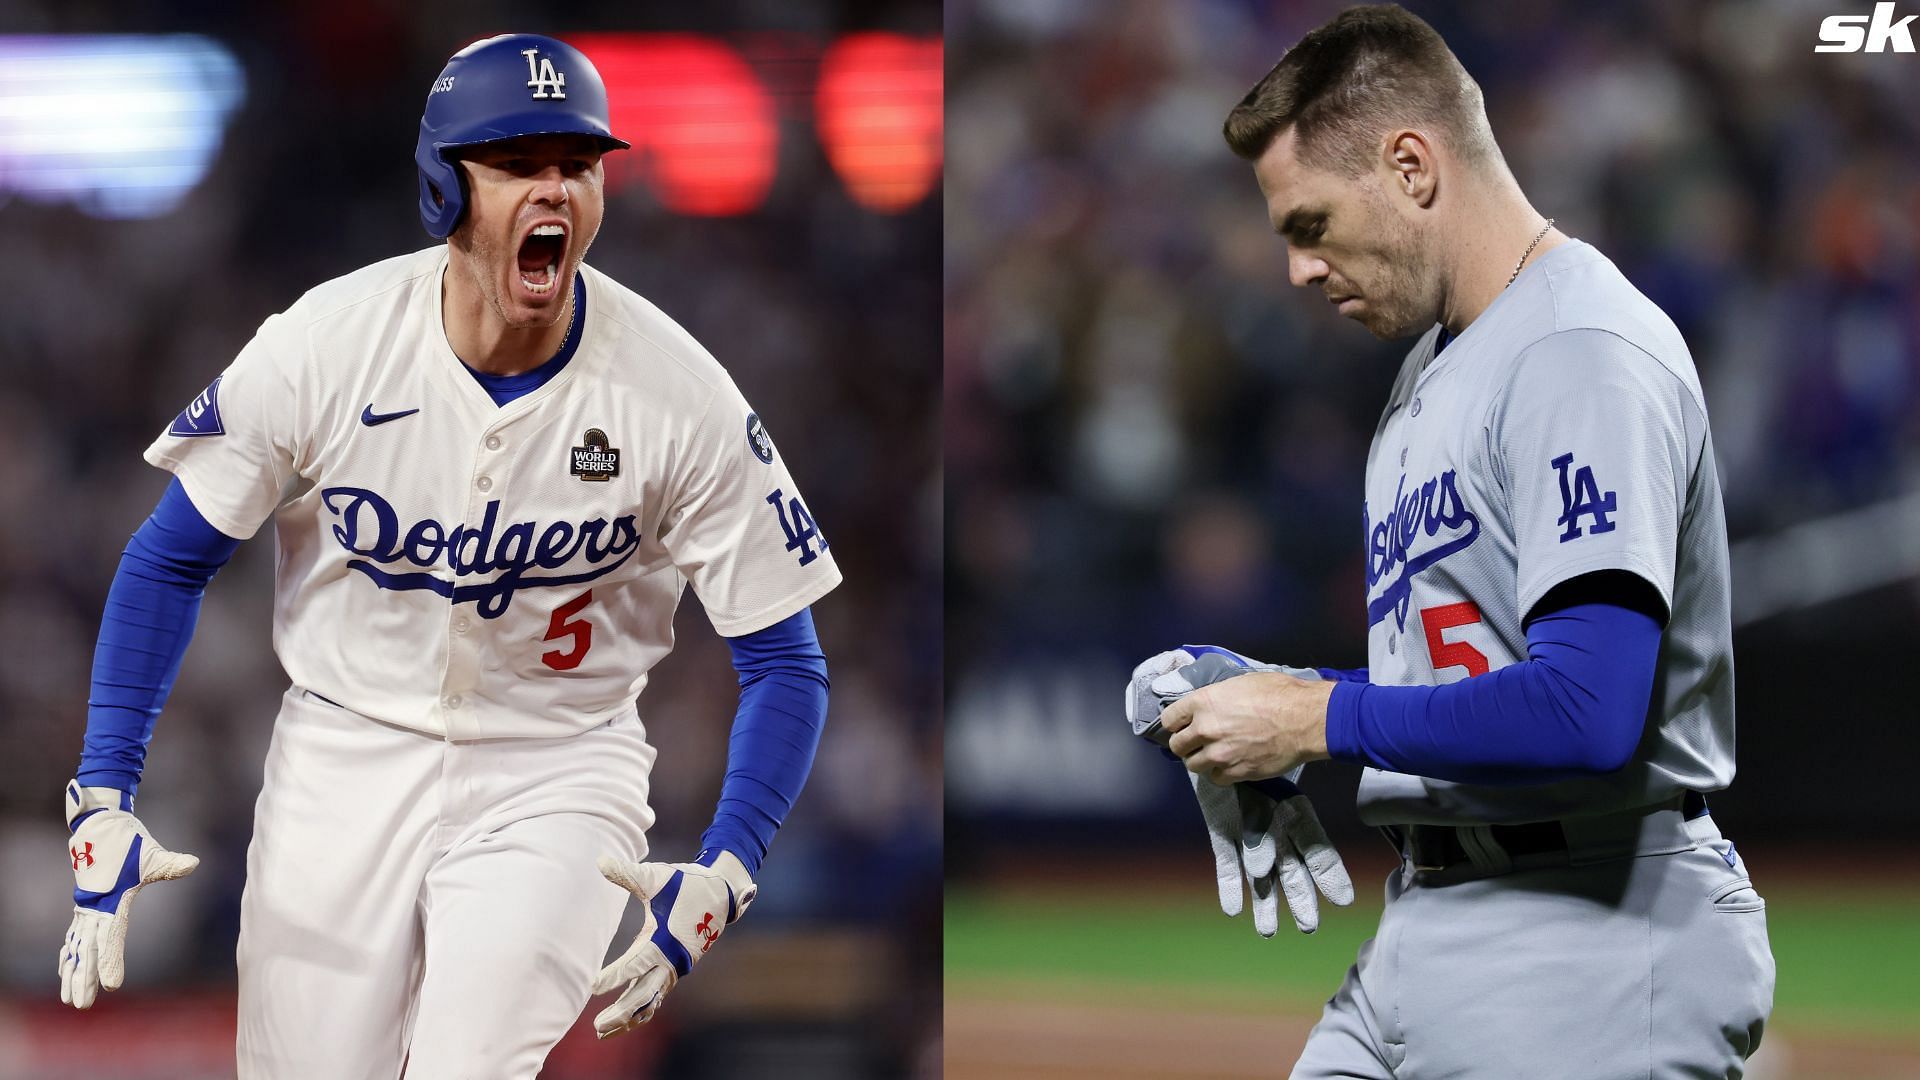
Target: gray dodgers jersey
[[1563, 432]]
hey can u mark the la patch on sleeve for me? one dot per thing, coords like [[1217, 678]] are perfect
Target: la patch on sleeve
[[201, 417], [1581, 497]]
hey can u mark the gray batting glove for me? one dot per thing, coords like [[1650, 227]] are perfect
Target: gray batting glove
[[1265, 836]]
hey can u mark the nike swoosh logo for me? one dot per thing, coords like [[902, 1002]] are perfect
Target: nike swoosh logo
[[371, 418]]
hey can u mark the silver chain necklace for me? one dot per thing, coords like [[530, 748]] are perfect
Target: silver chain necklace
[[1542, 235]]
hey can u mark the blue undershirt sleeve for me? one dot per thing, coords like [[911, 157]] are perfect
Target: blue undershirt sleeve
[[151, 609], [1575, 707], [776, 730], [1334, 674]]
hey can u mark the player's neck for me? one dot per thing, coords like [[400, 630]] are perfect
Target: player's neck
[[1484, 258], [484, 342]]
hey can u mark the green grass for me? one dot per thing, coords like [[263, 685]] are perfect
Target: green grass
[[1158, 942], [1848, 958]]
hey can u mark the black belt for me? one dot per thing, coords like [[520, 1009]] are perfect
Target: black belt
[[1437, 847]]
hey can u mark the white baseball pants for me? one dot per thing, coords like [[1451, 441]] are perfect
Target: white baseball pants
[[429, 904]]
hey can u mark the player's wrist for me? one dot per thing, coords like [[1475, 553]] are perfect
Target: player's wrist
[[105, 776], [712, 853], [1341, 728], [1298, 708], [1319, 697], [84, 801], [731, 835], [731, 869]]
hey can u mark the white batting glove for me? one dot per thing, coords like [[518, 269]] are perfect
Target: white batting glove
[[113, 857], [1265, 835], [688, 905]]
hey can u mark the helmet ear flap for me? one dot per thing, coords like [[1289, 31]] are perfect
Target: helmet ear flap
[[442, 194]]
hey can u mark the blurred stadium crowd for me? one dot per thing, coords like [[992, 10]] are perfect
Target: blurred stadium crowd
[[824, 312], [1152, 439]]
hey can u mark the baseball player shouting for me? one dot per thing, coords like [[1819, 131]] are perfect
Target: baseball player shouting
[[1549, 689], [491, 471]]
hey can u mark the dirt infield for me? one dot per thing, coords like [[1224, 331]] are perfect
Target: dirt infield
[[1020, 1031], [1018, 1037]]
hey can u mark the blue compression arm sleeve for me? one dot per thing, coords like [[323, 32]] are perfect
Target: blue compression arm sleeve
[[1334, 674], [1575, 707], [783, 706], [151, 610]]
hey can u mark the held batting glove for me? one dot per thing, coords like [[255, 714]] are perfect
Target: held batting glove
[[113, 857], [1265, 835], [688, 905]]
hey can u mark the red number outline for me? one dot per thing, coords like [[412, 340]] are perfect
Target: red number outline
[[564, 625], [1446, 654]]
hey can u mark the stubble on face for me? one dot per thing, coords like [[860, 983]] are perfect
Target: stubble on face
[[482, 260], [1402, 289], [488, 239], [1356, 243]]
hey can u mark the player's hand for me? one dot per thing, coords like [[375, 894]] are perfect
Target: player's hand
[[1265, 835], [113, 858], [1161, 680], [688, 905], [1255, 725]]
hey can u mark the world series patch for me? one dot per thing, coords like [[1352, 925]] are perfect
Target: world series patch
[[759, 440], [201, 417], [596, 460]]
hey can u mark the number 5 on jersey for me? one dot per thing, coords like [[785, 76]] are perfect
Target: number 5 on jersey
[[1436, 621], [563, 624], [798, 525]]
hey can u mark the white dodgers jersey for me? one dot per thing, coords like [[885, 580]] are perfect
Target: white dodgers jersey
[[475, 570], [1564, 432]]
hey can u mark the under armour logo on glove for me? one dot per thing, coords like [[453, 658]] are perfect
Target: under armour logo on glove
[[93, 957], [683, 901]]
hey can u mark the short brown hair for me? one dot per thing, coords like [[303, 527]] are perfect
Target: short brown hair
[[1349, 82]]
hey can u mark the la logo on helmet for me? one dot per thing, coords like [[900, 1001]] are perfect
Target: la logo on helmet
[[546, 83]]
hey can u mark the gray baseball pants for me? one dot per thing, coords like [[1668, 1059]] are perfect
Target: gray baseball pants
[[1641, 952]]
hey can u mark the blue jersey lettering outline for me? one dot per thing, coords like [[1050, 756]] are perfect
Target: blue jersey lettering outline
[[1435, 505], [430, 544]]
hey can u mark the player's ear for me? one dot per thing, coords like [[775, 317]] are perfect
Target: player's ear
[[1408, 159]]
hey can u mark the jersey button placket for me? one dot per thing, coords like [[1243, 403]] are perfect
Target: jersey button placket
[[462, 674]]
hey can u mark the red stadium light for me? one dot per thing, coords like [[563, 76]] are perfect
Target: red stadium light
[[879, 113], [701, 122]]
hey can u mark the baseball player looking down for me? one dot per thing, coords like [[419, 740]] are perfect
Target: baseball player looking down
[[1549, 689], [491, 472]]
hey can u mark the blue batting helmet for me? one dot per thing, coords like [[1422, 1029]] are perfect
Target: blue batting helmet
[[502, 88]]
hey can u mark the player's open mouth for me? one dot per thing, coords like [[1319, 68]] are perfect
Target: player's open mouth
[[541, 251]]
